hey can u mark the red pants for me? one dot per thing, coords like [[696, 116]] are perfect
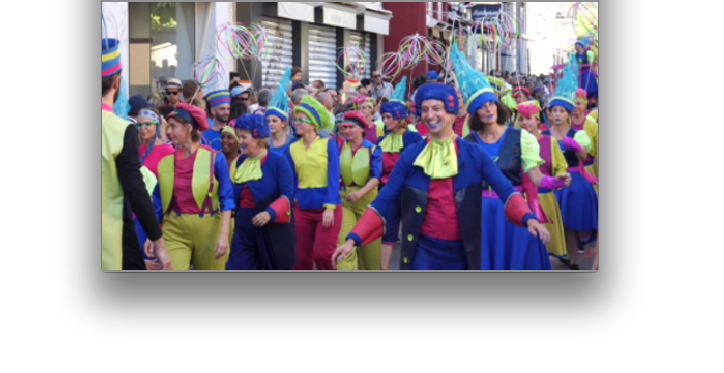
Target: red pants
[[314, 241]]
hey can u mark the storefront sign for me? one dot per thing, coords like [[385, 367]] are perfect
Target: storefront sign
[[340, 18], [297, 11]]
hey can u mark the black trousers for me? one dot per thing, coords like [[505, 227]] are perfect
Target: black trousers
[[132, 256]]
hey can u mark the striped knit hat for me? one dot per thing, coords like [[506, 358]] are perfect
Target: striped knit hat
[[219, 98], [110, 57]]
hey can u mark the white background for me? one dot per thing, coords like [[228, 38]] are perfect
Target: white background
[[652, 307]]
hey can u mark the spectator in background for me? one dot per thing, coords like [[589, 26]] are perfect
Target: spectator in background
[[380, 87], [297, 95], [253, 104], [234, 78], [192, 90], [220, 104], [236, 109], [365, 87], [173, 92], [326, 100], [318, 85], [332, 93], [432, 76], [264, 96], [296, 78], [157, 102]]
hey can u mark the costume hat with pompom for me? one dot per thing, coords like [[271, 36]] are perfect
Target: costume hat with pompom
[[316, 112], [193, 115], [474, 86]]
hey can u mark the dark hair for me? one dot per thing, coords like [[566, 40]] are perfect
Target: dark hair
[[237, 108], [195, 135], [503, 116], [419, 80], [107, 83], [382, 100], [234, 75], [296, 70], [189, 89], [165, 110], [365, 82], [320, 81]]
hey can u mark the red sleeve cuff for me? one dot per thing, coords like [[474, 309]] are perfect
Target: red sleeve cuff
[[281, 208], [369, 227], [516, 209]]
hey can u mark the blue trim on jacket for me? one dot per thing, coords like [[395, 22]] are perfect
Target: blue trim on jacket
[[277, 176], [316, 198]]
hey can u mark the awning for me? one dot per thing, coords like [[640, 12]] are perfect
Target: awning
[[377, 22], [296, 11], [339, 15]]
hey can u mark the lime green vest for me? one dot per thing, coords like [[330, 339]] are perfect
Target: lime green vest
[[112, 131], [355, 169], [200, 181]]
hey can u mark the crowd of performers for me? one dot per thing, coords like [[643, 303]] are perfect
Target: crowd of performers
[[484, 178]]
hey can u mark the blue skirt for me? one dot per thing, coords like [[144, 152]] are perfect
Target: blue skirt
[[506, 246], [589, 83], [248, 249], [434, 254], [579, 204]]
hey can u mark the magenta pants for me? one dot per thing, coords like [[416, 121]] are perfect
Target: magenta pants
[[315, 243]]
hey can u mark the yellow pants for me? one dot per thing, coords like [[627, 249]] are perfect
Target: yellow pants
[[368, 255], [190, 237], [557, 245]]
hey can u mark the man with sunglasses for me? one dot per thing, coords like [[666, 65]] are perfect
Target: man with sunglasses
[[380, 88], [173, 92]]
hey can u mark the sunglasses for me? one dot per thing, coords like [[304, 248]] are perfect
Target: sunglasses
[[300, 121], [145, 124], [243, 99], [172, 93], [375, 76]]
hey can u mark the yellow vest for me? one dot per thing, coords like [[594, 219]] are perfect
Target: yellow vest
[[112, 131], [200, 180], [355, 169]]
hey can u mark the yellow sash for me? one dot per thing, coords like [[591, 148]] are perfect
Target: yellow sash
[[439, 159], [392, 143], [249, 170]]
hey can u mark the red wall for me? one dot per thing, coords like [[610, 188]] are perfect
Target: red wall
[[407, 19]]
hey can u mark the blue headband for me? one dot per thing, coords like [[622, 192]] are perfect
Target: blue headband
[[313, 111]]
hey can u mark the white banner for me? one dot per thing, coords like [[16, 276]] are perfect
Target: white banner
[[377, 25]]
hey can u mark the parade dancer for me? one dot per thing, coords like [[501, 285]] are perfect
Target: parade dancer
[[580, 122], [360, 164], [151, 125], [220, 104], [196, 195], [366, 106], [579, 201], [555, 165], [505, 245], [122, 185], [263, 187], [398, 138], [587, 79], [277, 114], [318, 209], [439, 182]]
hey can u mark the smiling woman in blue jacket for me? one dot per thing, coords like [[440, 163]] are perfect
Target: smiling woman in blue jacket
[[263, 187]]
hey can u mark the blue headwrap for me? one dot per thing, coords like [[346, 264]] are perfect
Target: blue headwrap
[[254, 123], [440, 92], [474, 86]]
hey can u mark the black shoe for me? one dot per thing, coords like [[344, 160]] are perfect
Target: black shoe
[[581, 249], [565, 261], [573, 267]]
